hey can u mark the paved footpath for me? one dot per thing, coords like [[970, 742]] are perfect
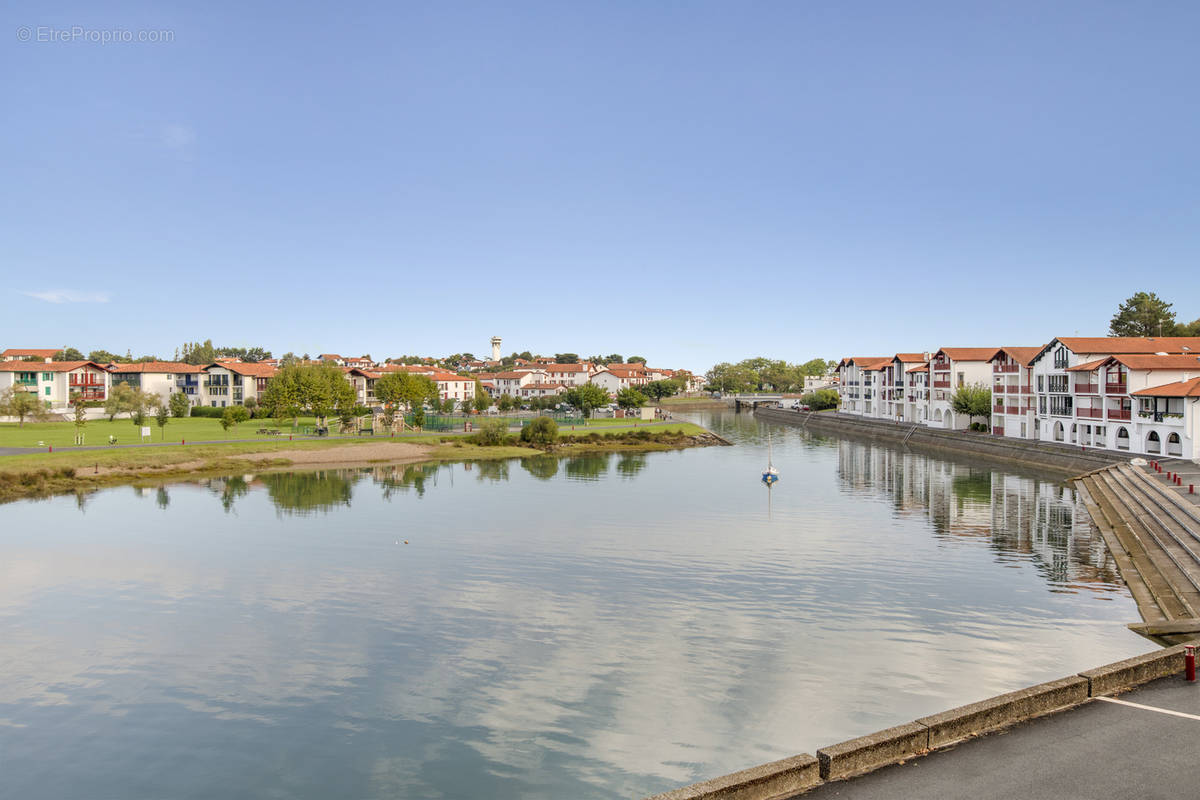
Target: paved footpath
[[1100, 750]]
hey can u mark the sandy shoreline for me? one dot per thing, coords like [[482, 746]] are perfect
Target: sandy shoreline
[[344, 455]]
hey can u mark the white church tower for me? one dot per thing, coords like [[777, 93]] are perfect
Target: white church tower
[[495, 348]]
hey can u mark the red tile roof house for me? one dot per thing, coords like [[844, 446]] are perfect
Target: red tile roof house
[[19, 354], [1013, 403], [162, 378], [855, 394], [1141, 403], [949, 369], [1060, 389], [56, 382], [232, 383]]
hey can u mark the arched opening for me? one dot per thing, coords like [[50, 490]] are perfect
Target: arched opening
[[1174, 445], [1058, 431], [1122, 439], [1073, 433], [937, 415], [1153, 443]]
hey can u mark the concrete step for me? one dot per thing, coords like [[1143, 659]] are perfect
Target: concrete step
[[1155, 567], [1147, 605], [1176, 562]]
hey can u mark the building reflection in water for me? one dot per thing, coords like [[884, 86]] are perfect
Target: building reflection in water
[[1036, 520]]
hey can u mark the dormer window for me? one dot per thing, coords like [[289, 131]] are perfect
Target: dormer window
[[1060, 358]]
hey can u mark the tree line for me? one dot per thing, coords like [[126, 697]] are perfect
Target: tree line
[[759, 374]]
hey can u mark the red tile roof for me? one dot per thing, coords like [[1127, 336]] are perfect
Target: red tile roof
[[1131, 344], [1188, 388], [1022, 355], [47, 366], [909, 358], [156, 366], [970, 353], [16, 352], [1141, 361], [243, 368]]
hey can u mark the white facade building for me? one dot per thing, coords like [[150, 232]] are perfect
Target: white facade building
[[56, 382]]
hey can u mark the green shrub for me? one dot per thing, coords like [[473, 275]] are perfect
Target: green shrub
[[542, 430], [492, 432]]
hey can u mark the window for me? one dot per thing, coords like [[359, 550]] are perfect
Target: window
[[1041, 383], [47, 391], [1058, 383], [1122, 439], [45, 376], [960, 379], [1060, 357], [1174, 445], [1153, 443], [1060, 405]]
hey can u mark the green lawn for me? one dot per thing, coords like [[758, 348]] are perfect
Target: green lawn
[[192, 429]]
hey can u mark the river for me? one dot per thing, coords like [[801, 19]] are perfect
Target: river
[[593, 627]]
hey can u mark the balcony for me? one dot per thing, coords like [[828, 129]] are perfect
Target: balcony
[[86, 380], [1005, 367], [1087, 388], [941, 384], [1012, 410], [1119, 414], [998, 388], [1089, 413], [1161, 416], [997, 431], [1116, 388], [26, 381], [998, 409]]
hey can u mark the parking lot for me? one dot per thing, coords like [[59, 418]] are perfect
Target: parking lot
[[1143, 744]]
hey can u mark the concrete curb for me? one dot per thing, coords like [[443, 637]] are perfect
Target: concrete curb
[[779, 779], [1004, 710], [874, 750], [792, 777], [1134, 671]]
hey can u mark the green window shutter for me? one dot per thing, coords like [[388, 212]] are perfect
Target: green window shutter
[[47, 391]]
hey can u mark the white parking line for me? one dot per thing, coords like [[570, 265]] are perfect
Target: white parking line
[[1150, 708]]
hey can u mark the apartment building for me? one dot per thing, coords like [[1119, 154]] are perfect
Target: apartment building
[[160, 378], [950, 369], [56, 382], [1013, 401], [232, 383], [895, 389], [1061, 390]]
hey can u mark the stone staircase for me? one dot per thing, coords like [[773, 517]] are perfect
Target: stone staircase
[[1153, 532]]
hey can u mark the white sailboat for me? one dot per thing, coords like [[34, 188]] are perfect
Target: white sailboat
[[771, 475]]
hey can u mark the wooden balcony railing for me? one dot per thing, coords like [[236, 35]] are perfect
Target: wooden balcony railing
[[1087, 388], [1116, 388], [1005, 367], [1090, 413], [1119, 413], [941, 384]]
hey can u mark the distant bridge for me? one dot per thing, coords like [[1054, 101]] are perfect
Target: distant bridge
[[751, 400]]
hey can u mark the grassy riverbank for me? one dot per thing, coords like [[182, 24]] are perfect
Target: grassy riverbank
[[65, 472]]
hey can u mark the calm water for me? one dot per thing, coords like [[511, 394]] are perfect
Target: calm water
[[585, 628]]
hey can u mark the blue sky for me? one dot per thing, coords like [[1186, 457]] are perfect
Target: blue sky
[[692, 182]]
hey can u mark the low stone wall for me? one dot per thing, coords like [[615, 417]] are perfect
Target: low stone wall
[[793, 776], [1065, 459]]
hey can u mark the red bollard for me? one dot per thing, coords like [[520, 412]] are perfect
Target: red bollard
[[51, 448], [1189, 662], [183, 441]]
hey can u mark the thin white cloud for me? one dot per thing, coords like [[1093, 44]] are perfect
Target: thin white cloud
[[69, 296], [178, 137]]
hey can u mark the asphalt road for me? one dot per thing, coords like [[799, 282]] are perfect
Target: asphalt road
[[1099, 750]]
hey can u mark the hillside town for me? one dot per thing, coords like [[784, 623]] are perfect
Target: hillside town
[[232, 381], [1122, 393]]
